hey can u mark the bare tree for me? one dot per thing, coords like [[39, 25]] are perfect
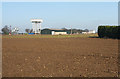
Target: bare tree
[[27, 30], [86, 30], [31, 30], [6, 30]]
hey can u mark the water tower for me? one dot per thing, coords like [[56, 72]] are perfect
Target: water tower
[[36, 25]]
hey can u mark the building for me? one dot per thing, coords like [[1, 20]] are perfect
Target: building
[[89, 32], [55, 31], [84, 32]]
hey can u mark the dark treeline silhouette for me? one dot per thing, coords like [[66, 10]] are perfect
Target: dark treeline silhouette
[[109, 32], [76, 30]]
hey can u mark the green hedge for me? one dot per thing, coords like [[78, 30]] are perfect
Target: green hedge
[[109, 31]]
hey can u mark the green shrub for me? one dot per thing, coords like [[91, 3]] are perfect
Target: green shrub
[[109, 31], [26, 33]]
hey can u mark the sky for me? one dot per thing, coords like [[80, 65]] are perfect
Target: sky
[[60, 0], [79, 15]]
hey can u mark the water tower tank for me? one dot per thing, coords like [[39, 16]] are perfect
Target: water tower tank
[[36, 20]]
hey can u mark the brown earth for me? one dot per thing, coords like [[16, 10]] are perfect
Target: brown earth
[[59, 57]]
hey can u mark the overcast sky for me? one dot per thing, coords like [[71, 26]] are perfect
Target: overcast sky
[[80, 15]]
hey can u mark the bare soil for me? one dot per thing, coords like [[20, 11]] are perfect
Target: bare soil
[[59, 57]]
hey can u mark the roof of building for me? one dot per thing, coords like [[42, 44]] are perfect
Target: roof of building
[[53, 29]]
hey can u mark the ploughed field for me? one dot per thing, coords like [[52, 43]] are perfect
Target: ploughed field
[[59, 57]]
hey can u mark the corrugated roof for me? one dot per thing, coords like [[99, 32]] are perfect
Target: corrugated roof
[[56, 29]]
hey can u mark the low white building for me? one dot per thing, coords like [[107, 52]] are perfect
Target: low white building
[[58, 33], [90, 32], [84, 32]]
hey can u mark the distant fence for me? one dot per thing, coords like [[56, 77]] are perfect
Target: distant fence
[[109, 32]]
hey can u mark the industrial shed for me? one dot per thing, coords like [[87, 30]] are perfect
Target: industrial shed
[[55, 31]]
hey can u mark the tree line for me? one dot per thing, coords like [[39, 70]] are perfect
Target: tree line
[[109, 32], [65, 29], [7, 30]]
